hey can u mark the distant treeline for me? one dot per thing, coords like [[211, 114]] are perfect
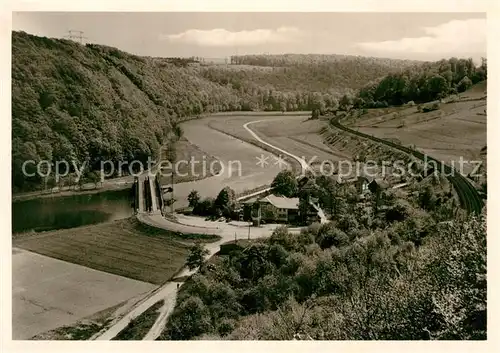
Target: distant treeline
[[308, 59], [75, 103], [423, 83]]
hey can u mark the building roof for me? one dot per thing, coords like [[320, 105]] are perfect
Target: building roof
[[291, 203], [251, 200], [381, 183]]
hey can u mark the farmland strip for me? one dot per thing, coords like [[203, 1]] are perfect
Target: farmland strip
[[468, 195]]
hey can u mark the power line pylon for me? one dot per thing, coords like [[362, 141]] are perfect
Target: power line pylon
[[75, 35]]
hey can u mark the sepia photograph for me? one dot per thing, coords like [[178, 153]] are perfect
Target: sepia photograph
[[248, 176]]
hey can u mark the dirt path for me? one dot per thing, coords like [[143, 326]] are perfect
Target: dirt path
[[302, 162], [226, 231], [168, 292]]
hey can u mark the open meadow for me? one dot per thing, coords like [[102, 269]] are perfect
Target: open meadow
[[62, 276], [296, 134], [293, 133], [236, 159], [125, 248], [456, 130]]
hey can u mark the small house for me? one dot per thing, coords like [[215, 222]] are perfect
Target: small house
[[281, 209], [361, 184], [377, 185], [271, 208]]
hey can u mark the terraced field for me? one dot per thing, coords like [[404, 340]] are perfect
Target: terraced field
[[457, 130], [468, 195]]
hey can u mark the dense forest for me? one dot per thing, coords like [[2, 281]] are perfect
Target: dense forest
[[286, 60], [421, 83], [91, 103], [74, 102], [414, 270]]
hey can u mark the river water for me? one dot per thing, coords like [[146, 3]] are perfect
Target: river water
[[50, 213]]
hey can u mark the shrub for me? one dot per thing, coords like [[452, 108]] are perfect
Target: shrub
[[430, 107]]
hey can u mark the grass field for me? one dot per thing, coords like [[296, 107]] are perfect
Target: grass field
[[456, 130], [239, 159], [125, 248], [186, 151], [295, 134], [48, 293], [299, 136], [139, 327]]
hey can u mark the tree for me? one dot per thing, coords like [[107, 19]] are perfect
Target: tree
[[177, 133], [304, 205], [283, 106], [196, 256], [285, 184], [193, 198], [346, 102], [464, 84], [458, 269], [329, 235], [315, 114], [437, 87], [427, 198], [204, 207], [327, 193], [226, 201], [347, 223], [94, 178]]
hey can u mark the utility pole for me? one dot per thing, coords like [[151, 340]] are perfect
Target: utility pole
[[75, 35], [249, 227], [172, 199]]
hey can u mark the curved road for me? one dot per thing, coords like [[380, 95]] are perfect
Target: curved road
[[302, 162], [467, 193], [168, 291]]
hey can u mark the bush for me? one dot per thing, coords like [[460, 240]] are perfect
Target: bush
[[190, 319], [330, 235], [430, 107], [285, 184], [204, 207]]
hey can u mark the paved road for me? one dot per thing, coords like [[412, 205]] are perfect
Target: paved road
[[227, 232], [303, 163]]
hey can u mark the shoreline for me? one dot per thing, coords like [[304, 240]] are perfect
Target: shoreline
[[122, 183]]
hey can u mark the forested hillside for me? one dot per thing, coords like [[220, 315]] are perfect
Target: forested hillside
[[307, 59], [397, 266], [73, 102], [421, 83], [299, 82]]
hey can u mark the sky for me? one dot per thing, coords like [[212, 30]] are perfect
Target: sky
[[419, 36]]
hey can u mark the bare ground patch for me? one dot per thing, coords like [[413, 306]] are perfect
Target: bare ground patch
[[48, 293]]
